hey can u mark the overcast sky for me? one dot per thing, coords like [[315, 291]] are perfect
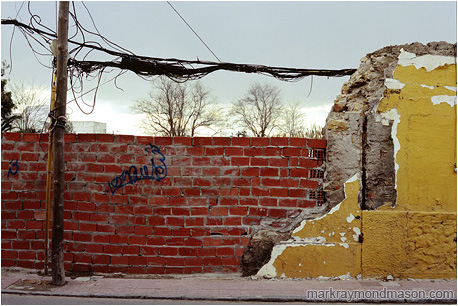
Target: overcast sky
[[326, 35]]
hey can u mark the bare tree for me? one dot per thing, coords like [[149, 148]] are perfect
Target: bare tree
[[292, 121], [259, 110], [31, 107], [177, 109]]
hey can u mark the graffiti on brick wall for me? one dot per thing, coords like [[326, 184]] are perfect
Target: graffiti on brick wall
[[13, 167], [134, 174]]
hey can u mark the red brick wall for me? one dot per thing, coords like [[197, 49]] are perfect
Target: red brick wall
[[194, 214]]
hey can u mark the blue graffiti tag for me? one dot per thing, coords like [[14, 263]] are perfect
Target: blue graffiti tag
[[131, 176], [13, 164]]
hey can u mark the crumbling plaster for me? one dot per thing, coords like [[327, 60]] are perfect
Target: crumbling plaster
[[401, 141]]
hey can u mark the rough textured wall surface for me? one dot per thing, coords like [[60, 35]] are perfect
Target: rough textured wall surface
[[391, 161], [358, 137], [138, 204], [420, 102]]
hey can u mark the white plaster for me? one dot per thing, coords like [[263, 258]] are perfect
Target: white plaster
[[342, 234], [346, 276], [394, 84], [426, 86], [450, 88], [396, 145], [357, 231], [386, 117], [343, 239], [428, 61], [268, 269], [451, 100], [322, 231], [345, 245], [350, 218]]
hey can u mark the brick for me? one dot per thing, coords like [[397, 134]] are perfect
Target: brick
[[185, 141], [298, 142], [240, 141], [6, 254], [101, 238], [309, 184], [143, 210], [11, 136], [259, 141], [308, 163], [30, 137], [232, 221], [119, 260], [163, 141], [124, 138], [84, 206], [143, 230], [130, 249], [256, 162], [238, 211], [240, 161], [124, 229], [105, 138], [218, 151], [201, 182], [87, 227], [106, 228], [140, 240], [225, 251], [168, 251], [271, 151], [25, 156], [297, 193], [317, 143], [211, 241], [278, 192], [278, 162], [82, 237], [279, 141], [145, 140], [277, 213], [119, 239], [162, 231], [195, 151], [233, 151], [181, 232], [219, 211], [291, 151], [287, 202], [221, 141], [21, 245], [268, 202], [87, 137], [173, 201], [148, 250], [299, 172]]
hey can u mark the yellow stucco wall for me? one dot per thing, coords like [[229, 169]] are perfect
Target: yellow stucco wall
[[417, 237], [327, 246]]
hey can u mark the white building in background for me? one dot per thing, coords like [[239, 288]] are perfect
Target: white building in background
[[91, 127]]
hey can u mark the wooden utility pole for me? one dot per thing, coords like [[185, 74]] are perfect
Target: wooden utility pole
[[58, 272]]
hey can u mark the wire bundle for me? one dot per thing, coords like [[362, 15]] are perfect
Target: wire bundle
[[81, 68]]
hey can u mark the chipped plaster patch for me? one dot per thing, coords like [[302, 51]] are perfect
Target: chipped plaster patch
[[426, 86], [428, 61], [350, 218], [450, 88], [396, 144], [451, 100], [394, 84], [357, 231]]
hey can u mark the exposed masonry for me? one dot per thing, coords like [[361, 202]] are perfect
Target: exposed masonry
[[358, 138], [158, 205]]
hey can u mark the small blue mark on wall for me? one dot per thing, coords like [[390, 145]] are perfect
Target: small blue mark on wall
[[13, 167]]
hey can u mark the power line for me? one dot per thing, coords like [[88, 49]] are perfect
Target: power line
[[193, 31]]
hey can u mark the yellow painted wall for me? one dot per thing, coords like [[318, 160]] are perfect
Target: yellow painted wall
[[417, 237], [327, 246]]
